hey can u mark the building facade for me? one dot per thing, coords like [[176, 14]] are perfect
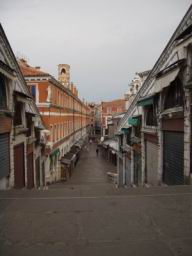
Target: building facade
[[20, 124], [108, 110], [155, 134], [65, 117], [135, 86]]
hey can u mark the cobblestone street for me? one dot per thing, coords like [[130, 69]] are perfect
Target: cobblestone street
[[87, 215]]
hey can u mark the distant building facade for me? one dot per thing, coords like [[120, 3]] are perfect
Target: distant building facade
[[134, 86], [108, 109]]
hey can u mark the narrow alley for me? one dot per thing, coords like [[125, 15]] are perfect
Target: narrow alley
[[90, 170]]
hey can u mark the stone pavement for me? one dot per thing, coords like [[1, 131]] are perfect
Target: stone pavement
[[87, 216]]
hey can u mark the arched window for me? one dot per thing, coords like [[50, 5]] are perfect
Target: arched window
[[3, 98], [174, 95], [63, 71]]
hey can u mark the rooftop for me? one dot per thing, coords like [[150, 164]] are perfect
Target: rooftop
[[30, 71]]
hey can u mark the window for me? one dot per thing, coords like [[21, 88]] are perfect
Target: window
[[119, 109], [128, 136], [3, 100], [18, 113], [174, 95], [108, 110], [63, 71], [33, 92], [55, 132], [58, 131], [29, 124], [151, 117], [138, 131], [52, 132]]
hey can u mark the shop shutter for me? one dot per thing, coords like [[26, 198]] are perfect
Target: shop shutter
[[151, 163], [4, 155], [173, 158], [19, 173], [137, 168]]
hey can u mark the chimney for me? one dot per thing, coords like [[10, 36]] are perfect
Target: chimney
[[76, 91], [72, 87], [23, 60], [37, 67]]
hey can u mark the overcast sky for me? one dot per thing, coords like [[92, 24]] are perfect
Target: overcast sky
[[104, 41]]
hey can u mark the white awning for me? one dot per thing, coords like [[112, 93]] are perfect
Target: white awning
[[113, 144], [165, 80]]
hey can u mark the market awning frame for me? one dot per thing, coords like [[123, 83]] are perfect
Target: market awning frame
[[165, 80]]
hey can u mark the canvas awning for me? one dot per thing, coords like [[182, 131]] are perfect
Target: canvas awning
[[165, 80], [134, 120], [146, 101], [113, 144], [68, 158], [125, 130]]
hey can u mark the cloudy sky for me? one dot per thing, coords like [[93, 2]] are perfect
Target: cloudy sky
[[104, 41]]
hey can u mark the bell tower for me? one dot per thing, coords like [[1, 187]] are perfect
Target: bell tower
[[64, 74]]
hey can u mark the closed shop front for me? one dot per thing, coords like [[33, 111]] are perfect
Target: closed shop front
[[4, 155], [30, 175], [19, 166], [137, 168], [173, 158], [151, 175]]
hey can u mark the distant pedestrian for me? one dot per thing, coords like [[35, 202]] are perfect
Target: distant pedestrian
[[97, 152], [90, 141]]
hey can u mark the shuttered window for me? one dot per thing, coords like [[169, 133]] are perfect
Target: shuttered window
[[4, 155]]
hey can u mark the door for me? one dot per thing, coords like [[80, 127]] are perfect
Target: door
[[151, 176], [173, 156], [19, 169], [137, 168], [4, 155], [37, 172], [30, 175]]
